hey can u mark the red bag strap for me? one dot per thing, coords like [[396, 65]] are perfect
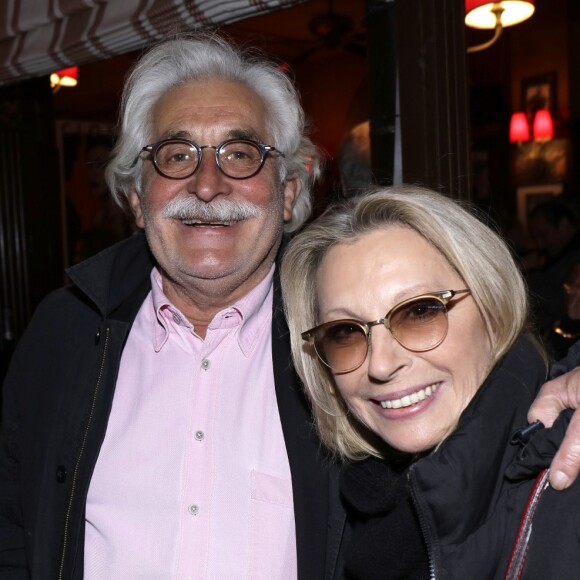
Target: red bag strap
[[520, 547]]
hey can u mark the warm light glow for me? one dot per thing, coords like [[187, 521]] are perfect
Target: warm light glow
[[67, 77], [519, 128], [478, 13], [543, 126]]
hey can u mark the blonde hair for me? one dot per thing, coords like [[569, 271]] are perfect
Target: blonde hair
[[472, 249]]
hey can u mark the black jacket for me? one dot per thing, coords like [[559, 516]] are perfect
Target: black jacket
[[470, 494], [57, 399]]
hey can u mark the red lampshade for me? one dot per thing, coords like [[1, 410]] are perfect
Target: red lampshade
[[478, 13], [543, 125], [66, 77], [519, 128]]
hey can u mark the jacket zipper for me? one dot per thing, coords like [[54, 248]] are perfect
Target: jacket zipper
[[81, 452], [424, 527]]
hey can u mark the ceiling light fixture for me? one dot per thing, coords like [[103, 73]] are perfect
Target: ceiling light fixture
[[495, 16], [66, 77]]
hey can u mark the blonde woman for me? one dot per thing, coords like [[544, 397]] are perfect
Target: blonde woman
[[407, 317]]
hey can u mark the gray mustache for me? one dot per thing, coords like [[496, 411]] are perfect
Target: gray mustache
[[223, 210]]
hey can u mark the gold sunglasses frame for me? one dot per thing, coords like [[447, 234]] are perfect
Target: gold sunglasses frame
[[443, 296]]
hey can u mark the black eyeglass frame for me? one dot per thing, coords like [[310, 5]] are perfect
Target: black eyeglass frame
[[264, 149], [443, 296]]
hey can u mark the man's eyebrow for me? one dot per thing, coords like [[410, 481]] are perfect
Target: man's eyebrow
[[249, 134], [176, 135]]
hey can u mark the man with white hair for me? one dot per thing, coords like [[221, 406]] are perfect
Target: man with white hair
[[152, 425]]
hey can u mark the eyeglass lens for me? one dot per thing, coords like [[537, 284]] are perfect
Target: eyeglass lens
[[236, 158], [418, 325]]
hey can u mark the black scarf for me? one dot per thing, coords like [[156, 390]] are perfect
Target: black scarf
[[386, 543]]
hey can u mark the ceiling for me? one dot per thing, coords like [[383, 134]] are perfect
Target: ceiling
[[288, 35]]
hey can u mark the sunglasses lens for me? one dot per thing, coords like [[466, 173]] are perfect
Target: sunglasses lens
[[342, 345], [420, 324]]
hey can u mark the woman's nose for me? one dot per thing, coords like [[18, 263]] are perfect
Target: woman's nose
[[386, 357]]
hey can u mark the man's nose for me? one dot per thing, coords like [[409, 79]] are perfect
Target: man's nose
[[208, 181]]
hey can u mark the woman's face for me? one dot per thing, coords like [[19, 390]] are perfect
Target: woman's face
[[412, 400]]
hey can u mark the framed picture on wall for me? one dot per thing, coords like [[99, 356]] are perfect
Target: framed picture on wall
[[539, 92], [531, 196], [91, 220]]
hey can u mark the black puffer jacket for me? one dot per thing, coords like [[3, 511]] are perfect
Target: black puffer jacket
[[470, 494]]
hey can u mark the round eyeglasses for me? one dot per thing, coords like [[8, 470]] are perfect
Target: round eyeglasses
[[417, 324], [236, 158]]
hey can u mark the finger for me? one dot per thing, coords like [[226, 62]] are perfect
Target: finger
[[556, 395], [548, 404], [566, 463]]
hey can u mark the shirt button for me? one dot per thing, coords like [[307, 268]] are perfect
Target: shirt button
[[205, 364], [199, 435], [176, 318], [193, 509]]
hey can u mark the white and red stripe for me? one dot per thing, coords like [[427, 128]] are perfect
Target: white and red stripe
[[40, 36]]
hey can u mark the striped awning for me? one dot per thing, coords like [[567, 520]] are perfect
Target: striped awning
[[38, 37]]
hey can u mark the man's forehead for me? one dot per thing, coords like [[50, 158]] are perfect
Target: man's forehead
[[226, 109]]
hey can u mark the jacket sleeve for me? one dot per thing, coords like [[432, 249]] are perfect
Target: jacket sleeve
[[569, 362], [13, 563]]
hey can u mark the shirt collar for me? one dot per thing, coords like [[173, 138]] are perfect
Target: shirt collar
[[249, 313]]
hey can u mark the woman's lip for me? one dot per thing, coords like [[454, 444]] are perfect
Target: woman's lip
[[409, 397]]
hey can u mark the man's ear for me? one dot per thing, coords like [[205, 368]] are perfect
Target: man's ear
[[292, 189], [135, 203]]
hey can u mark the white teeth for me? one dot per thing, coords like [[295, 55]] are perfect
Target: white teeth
[[411, 399], [207, 224]]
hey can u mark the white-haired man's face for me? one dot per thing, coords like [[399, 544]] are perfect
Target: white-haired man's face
[[210, 232]]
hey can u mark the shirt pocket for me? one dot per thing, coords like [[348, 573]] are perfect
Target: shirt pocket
[[272, 531], [272, 489]]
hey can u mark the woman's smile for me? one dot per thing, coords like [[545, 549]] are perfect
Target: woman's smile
[[416, 396]]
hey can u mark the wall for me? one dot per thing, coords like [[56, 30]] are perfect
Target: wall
[[537, 47], [540, 46]]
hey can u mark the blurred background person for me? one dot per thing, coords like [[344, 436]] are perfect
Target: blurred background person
[[553, 227], [566, 331], [354, 161]]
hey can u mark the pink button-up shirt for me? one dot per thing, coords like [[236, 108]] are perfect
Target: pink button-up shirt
[[193, 481]]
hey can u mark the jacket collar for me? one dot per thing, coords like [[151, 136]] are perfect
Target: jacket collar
[[112, 276], [468, 462]]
